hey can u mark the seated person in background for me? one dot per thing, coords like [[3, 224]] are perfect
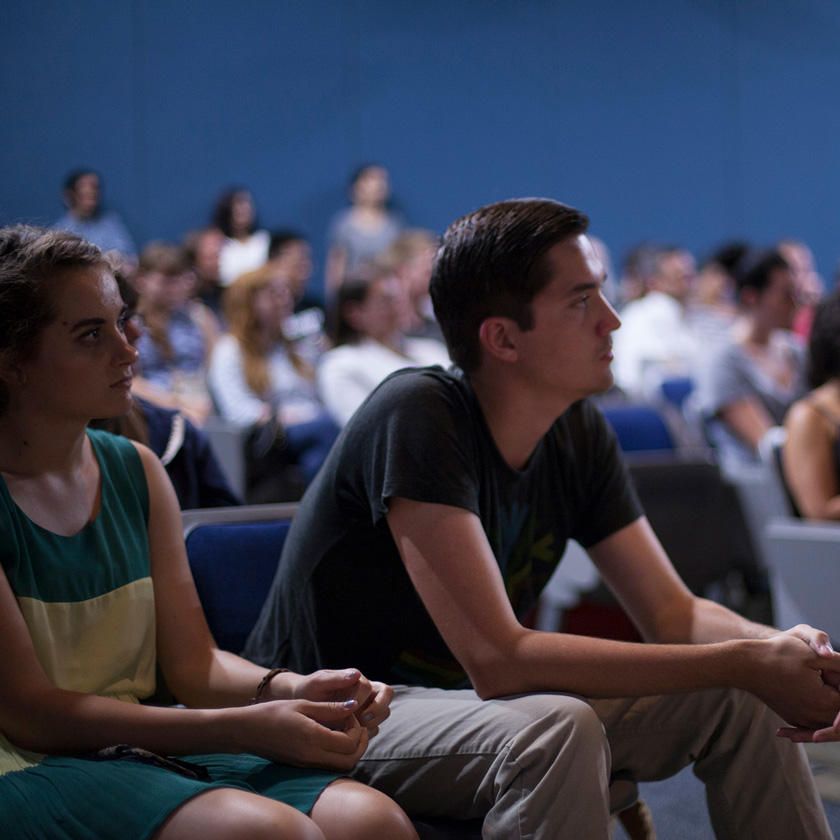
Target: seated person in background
[[202, 249], [290, 254], [182, 448], [810, 289], [656, 340], [86, 218], [245, 247], [811, 454], [369, 342], [636, 270], [178, 333], [260, 380], [410, 259], [712, 308], [95, 587], [364, 230], [436, 521], [746, 385]]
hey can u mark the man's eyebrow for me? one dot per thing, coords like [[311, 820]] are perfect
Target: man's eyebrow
[[586, 287]]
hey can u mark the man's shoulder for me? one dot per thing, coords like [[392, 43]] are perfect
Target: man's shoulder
[[423, 381]]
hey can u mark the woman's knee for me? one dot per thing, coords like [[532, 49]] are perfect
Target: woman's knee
[[352, 811], [231, 814]]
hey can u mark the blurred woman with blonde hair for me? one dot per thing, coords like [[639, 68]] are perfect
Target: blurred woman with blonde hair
[[263, 381]]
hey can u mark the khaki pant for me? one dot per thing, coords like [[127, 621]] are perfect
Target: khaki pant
[[538, 766]]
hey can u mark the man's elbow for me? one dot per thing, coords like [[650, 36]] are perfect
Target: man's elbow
[[495, 677]]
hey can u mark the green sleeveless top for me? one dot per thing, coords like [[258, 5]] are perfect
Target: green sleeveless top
[[87, 599]]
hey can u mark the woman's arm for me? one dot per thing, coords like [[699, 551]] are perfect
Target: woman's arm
[[810, 463], [196, 670], [37, 716], [747, 419]]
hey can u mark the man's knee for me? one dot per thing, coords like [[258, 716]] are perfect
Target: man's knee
[[564, 728]]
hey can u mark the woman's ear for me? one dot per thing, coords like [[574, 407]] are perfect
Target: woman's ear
[[11, 373], [497, 338]]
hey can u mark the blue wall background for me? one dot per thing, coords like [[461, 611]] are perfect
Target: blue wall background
[[682, 120]]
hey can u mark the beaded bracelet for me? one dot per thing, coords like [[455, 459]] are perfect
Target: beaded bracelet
[[269, 676]]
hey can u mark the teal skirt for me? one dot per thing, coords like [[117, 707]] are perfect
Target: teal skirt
[[75, 799]]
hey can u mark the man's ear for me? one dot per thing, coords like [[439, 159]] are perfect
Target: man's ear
[[497, 338]]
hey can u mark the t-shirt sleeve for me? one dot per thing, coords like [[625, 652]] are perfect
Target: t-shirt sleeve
[[419, 446], [611, 499]]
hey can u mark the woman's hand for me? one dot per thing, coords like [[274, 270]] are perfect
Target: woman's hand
[[373, 698], [305, 733]]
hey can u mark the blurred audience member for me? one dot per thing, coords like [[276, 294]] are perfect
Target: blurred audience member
[[370, 344], [610, 288], [178, 336], [409, 259], [183, 449], [809, 285], [203, 249], [746, 385], [811, 454], [261, 382], [711, 305], [290, 254], [365, 229], [245, 247], [656, 341], [636, 271], [86, 218]]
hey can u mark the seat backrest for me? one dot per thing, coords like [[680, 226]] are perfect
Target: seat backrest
[[677, 389], [638, 426], [803, 557], [770, 451], [234, 553]]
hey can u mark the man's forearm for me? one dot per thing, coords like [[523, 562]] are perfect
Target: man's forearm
[[710, 622]]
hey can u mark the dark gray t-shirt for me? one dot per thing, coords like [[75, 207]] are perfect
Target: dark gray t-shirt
[[342, 597]]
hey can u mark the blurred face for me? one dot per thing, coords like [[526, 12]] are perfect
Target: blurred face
[[295, 261], [207, 256], [808, 282], [380, 314], [82, 368], [242, 213], [372, 187], [84, 198], [675, 275], [417, 273], [272, 305], [165, 291], [776, 305]]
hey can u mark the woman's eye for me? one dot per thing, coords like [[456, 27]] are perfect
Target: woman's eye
[[90, 335]]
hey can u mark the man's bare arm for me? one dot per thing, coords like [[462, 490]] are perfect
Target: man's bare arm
[[453, 569]]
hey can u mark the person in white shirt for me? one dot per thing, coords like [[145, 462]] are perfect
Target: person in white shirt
[[245, 247], [370, 343], [655, 341]]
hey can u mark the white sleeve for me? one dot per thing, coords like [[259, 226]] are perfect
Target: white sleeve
[[234, 400], [343, 383]]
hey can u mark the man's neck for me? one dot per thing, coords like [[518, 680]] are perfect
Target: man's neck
[[517, 418]]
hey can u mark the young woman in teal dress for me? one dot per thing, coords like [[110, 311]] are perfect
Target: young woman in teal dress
[[95, 588]]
